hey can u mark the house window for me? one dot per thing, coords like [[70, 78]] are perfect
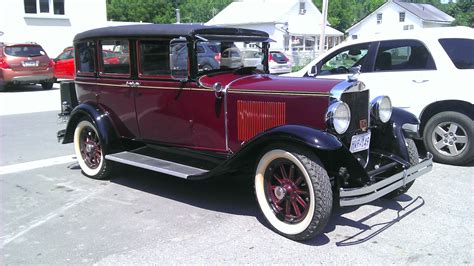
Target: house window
[[302, 7], [408, 27], [401, 16], [354, 36], [379, 18], [55, 7]]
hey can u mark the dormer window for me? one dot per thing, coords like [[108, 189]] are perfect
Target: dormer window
[[379, 18], [401, 16], [302, 7]]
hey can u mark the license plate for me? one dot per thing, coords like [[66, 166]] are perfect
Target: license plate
[[360, 142], [29, 63]]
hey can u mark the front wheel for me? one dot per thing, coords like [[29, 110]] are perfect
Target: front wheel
[[448, 136], [293, 192], [90, 151]]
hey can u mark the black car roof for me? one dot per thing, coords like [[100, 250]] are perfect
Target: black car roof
[[187, 30]]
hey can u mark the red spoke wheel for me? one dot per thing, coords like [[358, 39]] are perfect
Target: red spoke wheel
[[89, 150], [293, 192]]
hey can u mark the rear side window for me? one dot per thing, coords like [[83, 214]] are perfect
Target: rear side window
[[85, 62], [403, 55], [115, 57], [155, 57], [25, 50], [460, 51]]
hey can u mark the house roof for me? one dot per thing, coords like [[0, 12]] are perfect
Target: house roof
[[425, 12], [304, 25], [252, 12]]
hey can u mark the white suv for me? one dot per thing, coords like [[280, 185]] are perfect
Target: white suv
[[429, 72]]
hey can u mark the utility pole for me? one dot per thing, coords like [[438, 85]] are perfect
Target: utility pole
[[178, 16], [322, 35]]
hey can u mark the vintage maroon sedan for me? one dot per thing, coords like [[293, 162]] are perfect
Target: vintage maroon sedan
[[308, 143]]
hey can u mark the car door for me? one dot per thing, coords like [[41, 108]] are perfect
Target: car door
[[405, 71], [163, 105], [64, 66]]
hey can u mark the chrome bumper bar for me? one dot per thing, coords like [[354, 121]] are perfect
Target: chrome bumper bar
[[357, 196]]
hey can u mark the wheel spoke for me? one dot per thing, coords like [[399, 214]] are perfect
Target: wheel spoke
[[287, 208], [439, 145], [278, 179], [302, 192], [283, 171], [440, 131], [453, 150], [292, 172], [453, 127], [299, 180], [461, 139], [296, 208], [301, 201]]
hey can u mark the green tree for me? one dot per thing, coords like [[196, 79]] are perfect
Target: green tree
[[201, 11], [156, 11]]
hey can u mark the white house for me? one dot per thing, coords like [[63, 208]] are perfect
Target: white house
[[50, 23], [396, 15], [294, 25]]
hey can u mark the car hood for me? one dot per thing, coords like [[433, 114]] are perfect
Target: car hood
[[269, 83]]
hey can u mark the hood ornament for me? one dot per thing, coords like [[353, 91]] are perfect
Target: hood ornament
[[356, 72]]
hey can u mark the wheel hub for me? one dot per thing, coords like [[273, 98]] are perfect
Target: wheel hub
[[280, 192]]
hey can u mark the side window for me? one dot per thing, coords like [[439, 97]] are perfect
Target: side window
[[155, 57], [85, 59], [403, 55], [345, 60], [460, 51], [66, 55], [115, 57], [200, 49]]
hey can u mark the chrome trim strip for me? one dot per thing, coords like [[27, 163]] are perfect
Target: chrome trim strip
[[346, 86], [357, 196]]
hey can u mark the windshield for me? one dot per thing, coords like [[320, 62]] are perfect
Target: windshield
[[228, 55], [25, 50]]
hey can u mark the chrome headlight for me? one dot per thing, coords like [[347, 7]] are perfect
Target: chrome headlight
[[338, 117], [381, 108]]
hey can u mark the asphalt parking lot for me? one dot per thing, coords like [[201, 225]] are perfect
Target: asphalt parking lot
[[51, 214]]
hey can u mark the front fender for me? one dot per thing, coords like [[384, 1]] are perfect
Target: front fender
[[97, 116], [404, 125]]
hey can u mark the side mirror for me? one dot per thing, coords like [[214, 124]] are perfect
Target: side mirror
[[179, 59], [313, 71]]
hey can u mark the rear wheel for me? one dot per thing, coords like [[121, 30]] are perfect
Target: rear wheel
[[293, 192], [90, 150], [414, 159], [448, 136], [47, 85]]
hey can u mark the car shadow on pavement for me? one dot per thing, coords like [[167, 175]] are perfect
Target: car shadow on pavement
[[25, 88], [234, 194]]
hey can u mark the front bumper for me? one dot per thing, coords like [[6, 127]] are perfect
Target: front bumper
[[358, 196]]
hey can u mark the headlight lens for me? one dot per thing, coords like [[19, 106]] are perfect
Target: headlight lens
[[382, 108], [338, 117]]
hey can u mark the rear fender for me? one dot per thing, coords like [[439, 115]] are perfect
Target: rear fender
[[99, 117]]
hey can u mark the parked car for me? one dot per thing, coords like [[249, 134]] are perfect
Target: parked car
[[234, 57], [64, 63], [25, 63], [305, 142], [429, 73], [278, 63]]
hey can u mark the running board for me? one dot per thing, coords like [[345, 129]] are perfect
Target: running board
[[154, 164]]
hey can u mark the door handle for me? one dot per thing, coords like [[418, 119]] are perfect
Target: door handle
[[420, 80]]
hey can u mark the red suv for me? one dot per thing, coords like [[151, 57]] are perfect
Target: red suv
[[25, 63], [64, 66]]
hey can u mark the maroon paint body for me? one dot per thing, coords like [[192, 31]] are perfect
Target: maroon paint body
[[192, 115]]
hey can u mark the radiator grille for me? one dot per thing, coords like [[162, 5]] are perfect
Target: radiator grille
[[255, 117], [359, 104]]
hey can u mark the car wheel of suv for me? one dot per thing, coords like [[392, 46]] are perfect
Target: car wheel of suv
[[414, 159], [90, 151], [293, 192], [448, 136], [47, 85], [206, 67]]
